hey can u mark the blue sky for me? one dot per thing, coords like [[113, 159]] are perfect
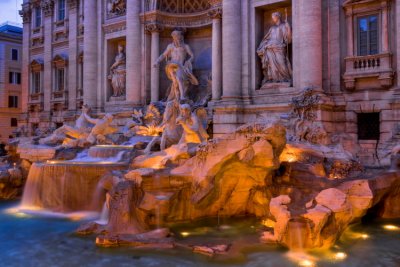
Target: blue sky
[[9, 10]]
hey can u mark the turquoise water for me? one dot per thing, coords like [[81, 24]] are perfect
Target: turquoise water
[[38, 241]]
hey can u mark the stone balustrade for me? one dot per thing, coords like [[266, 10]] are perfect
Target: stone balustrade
[[360, 67]]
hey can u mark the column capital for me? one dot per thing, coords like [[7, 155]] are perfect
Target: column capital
[[26, 13], [47, 7], [215, 13], [153, 27], [72, 4]]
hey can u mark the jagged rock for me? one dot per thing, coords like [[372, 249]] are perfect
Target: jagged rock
[[91, 228], [159, 160], [211, 250], [137, 174], [159, 238], [125, 217], [278, 209]]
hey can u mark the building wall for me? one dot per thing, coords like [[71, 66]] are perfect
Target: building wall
[[320, 55], [7, 65]]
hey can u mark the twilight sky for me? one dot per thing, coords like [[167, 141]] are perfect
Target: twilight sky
[[9, 10]]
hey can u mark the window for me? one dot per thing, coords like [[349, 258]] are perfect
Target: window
[[368, 125], [61, 10], [36, 82], [38, 17], [14, 77], [14, 54], [60, 79], [13, 101], [14, 122], [368, 40]]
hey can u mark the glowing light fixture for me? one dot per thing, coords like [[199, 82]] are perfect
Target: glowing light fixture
[[391, 227], [306, 263], [185, 234], [340, 256], [364, 236]]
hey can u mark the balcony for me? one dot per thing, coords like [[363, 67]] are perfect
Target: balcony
[[377, 67], [36, 102]]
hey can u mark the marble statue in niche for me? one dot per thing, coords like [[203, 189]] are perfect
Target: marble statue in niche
[[118, 73], [116, 7], [179, 57], [273, 52]]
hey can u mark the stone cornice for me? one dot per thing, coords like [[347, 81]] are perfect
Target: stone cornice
[[170, 20], [114, 27]]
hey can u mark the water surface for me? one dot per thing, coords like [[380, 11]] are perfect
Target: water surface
[[38, 241]]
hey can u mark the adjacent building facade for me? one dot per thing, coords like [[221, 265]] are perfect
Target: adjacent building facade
[[345, 50], [10, 78]]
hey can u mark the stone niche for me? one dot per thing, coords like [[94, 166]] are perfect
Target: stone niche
[[200, 41], [262, 12], [112, 51]]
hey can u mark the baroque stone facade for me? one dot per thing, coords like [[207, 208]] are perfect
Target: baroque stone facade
[[345, 50]]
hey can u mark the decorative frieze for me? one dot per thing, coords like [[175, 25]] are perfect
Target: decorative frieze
[[169, 20], [115, 27]]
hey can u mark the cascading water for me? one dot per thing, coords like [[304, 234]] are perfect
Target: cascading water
[[64, 186]]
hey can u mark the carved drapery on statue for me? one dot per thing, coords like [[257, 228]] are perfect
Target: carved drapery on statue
[[179, 57], [273, 52], [118, 73]]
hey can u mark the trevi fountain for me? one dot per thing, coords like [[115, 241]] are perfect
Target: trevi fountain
[[157, 189]]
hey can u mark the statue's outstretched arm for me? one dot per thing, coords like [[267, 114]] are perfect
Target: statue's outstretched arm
[[163, 56], [89, 119]]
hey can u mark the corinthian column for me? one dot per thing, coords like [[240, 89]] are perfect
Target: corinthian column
[[48, 8], [216, 14], [73, 54], [231, 49], [154, 29], [308, 36], [133, 52], [26, 18], [90, 53]]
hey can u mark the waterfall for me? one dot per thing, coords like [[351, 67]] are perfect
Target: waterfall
[[64, 187]]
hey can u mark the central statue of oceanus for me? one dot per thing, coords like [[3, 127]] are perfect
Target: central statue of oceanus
[[273, 51], [179, 59]]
